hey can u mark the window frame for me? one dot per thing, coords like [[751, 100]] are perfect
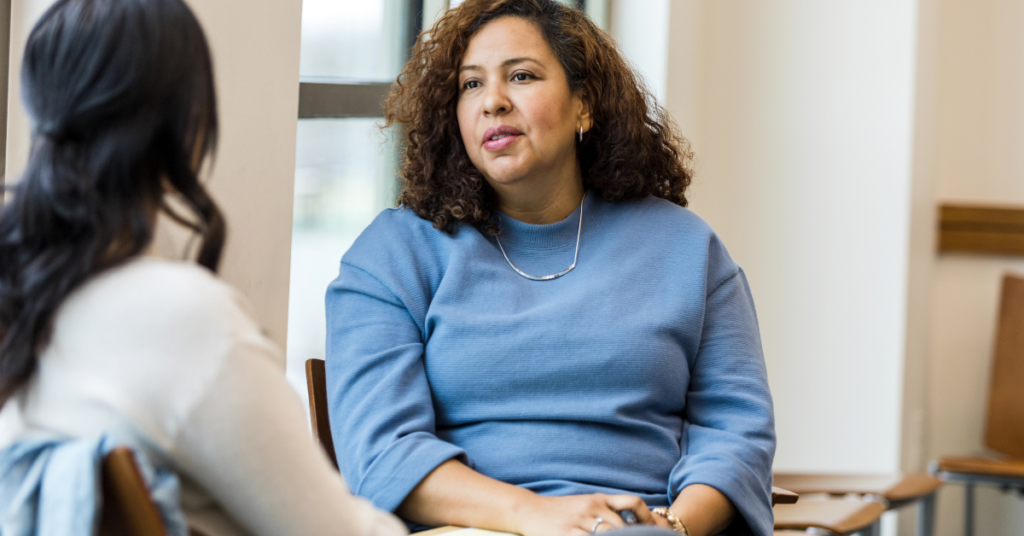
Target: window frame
[[325, 98]]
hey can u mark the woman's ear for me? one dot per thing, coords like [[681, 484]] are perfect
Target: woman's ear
[[582, 103]]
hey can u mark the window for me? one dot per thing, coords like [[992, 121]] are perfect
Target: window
[[345, 165]]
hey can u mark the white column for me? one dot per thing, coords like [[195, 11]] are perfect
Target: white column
[[800, 112], [640, 28]]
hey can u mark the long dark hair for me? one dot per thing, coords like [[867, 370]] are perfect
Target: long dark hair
[[123, 106]]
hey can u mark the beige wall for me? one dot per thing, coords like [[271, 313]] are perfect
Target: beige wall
[[24, 14], [5, 54], [973, 150], [256, 59]]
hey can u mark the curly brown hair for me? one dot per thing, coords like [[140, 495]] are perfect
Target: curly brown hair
[[632, 151]]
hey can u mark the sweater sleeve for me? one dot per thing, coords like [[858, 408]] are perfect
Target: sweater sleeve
[[247, 443], [729, 434], [381, 411]]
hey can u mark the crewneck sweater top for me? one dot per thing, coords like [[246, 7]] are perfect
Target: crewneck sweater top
[[639, 372]]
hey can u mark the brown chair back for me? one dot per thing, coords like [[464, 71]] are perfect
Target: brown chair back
[[316, 383], [128, 510], [1004, 430]]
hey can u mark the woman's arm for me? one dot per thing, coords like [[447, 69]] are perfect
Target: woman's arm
[[454, 494], [381, 408], [729, 430], [246, 443], [703, 509]]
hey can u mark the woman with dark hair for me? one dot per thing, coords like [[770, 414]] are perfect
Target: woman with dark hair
[[100, 336], [542, 336]]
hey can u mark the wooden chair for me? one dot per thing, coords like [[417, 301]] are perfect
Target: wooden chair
[[1004, 427], [316, 384], [783, 496], [833, 517], [128, 509], [894, 491]]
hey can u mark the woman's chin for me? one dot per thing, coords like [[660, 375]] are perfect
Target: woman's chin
[[505, 178]]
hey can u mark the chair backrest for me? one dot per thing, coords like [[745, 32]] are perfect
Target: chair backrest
[[128, 510], [1004, 430], [316, 383]]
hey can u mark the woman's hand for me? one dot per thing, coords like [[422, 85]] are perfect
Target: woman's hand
[[576, 515]]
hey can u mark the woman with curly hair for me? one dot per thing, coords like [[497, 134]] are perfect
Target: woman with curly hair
[[541, 336]]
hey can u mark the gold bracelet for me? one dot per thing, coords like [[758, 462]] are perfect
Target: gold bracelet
[[677, 524]]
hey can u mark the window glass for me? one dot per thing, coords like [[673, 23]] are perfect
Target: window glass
[[353, 39], [344, 176], [345, 168]]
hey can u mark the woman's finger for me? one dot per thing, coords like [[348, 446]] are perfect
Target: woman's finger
[[609, 517], [609, 521], [634, 504]]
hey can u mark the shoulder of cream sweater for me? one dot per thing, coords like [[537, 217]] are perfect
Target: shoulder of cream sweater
[[154, 295], [155, 326]]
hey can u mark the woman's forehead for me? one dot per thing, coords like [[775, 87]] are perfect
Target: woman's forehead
[[500, 41]]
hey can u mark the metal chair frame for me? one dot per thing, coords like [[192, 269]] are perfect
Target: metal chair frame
[[970, 481]]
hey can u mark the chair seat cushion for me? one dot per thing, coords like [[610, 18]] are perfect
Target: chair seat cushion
[[839, 515], [895, 488], [979, 465]]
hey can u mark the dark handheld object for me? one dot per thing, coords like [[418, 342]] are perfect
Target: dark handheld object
[[628, 517]]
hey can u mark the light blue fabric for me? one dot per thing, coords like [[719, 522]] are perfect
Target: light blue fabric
[[639, 372], [53, 488]]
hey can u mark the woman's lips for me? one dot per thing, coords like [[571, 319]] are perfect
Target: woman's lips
[[500, 137], [501, 143]]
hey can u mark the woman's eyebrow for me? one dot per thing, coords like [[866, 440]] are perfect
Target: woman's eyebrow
[[513, 61], [504, 64]]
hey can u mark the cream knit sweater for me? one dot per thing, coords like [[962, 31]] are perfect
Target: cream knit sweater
[[164, 355]]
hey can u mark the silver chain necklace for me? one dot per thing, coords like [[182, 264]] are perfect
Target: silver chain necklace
[[559, 274]]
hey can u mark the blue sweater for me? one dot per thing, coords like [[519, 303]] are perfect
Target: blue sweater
[[639, 372]]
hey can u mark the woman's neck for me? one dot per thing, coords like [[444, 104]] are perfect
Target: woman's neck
[[539, 205]]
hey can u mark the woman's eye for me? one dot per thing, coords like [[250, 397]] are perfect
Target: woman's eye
[[471, 84], [521, 77]]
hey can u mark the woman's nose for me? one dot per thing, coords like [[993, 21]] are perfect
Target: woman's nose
[[496, 100]]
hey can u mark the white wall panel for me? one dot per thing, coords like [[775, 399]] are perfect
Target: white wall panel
[[801, 117]]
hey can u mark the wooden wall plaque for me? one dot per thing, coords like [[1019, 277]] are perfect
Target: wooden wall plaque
[[981, 229]]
